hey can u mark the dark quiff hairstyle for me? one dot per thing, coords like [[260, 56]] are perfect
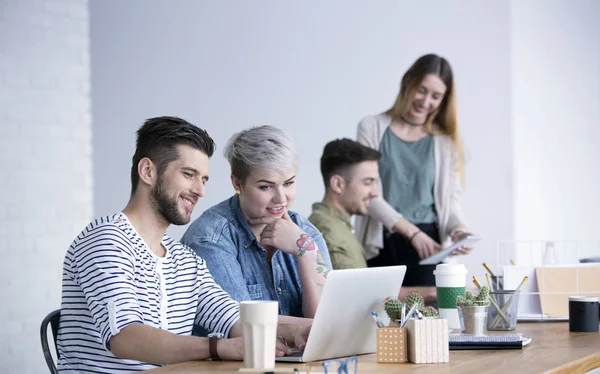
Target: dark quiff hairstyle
[[158, 139], [341, 154]]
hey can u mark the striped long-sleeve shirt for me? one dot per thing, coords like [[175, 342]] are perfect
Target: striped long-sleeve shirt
[[111, 279]]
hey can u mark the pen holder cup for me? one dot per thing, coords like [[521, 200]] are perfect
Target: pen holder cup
[[503, 317], [428, 340], [391, 345]]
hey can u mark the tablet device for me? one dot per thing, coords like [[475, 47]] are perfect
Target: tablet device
[[441, 255]]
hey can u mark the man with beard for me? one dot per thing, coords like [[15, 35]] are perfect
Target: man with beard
[[350, 172], [130, 293]]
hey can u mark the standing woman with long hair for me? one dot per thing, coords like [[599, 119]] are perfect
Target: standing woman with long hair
[[421, 174]]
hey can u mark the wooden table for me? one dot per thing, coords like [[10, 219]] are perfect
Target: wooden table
[[553, 350]]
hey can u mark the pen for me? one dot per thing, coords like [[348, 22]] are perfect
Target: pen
[[419, 314], [376, 319], [403, 314], [379, 321], [410, 313]]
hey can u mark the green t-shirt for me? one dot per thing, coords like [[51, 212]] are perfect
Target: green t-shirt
[[407, 171], [345, 250]]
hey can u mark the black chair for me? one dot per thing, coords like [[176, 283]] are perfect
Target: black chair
[[53, 319]]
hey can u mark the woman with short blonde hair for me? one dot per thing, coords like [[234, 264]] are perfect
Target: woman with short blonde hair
[[254, 246]]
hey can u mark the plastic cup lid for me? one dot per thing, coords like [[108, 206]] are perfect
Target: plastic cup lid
[[584, 298], [444, 269]]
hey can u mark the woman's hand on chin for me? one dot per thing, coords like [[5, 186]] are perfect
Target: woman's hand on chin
[[281, 233]]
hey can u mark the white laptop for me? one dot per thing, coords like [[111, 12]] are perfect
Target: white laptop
[[343, 325]]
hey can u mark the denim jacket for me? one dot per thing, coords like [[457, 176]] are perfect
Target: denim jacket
[[238, 263]]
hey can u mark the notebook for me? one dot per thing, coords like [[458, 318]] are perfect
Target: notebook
[[343, 325], [492, 341]]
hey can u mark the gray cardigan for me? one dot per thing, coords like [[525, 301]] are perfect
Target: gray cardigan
[[447, 189]]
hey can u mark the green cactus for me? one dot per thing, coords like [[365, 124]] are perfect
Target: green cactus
[[482, 299], [393, 308], [414, 298], [429, 311]]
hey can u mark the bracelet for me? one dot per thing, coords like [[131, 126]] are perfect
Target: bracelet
[[302, 250], [413, 236]]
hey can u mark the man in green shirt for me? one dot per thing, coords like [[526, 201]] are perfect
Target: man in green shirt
[[350, 171]]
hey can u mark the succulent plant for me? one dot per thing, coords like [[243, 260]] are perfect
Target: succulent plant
[[482, 299], [393, 308]]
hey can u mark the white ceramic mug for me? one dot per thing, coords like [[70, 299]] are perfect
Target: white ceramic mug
[[450, 281], [259, 323]]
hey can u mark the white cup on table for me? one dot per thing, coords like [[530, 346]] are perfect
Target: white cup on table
[[259, 324], [450, 281]]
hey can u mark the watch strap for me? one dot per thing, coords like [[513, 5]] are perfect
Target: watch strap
[[212, 347]]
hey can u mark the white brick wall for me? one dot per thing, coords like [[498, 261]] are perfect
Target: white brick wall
[[45, 164]]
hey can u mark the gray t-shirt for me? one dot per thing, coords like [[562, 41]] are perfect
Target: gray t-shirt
[[407, 176]]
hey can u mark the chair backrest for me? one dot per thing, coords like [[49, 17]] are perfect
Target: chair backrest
[[54, 320]]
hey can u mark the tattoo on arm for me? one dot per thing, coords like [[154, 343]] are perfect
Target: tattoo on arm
[[305, 243], [321, 266]]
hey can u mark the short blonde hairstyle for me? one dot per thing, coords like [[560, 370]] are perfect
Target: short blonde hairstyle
[[260, 148]]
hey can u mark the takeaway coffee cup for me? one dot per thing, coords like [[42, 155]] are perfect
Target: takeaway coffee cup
[[259, 323], [583, 314], [450, 280]]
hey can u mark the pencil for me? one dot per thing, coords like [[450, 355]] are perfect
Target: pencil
[[512, 262], [487, 278], [522, 283], [489, 282], [488, 269], [476, 282]]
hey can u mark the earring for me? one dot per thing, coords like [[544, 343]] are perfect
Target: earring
[[237, 191]]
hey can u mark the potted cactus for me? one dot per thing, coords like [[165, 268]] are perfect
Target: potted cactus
[[472, 311], [393, 308]]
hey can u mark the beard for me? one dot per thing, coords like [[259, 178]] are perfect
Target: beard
[[167, 206], [359, 208]]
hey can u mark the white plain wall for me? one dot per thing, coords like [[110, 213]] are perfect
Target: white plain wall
[[312, 68], [45, 164], [556, 119]]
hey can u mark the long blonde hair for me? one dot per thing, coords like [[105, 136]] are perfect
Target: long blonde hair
[[444, 119]]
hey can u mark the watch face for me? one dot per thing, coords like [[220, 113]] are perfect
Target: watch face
[[215, 335]]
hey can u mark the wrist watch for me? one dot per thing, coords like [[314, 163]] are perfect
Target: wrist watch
[[213, 338]]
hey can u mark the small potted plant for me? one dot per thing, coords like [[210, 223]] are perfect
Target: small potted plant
[[472, 311], [393, 308]]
